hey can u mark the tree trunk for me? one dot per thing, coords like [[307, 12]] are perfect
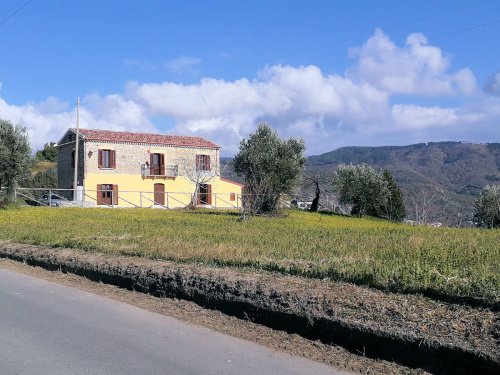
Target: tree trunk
[[315, 202]]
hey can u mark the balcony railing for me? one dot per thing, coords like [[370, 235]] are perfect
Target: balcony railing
[[170, 170]]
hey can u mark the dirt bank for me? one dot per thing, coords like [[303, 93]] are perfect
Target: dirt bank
[[411, 330]]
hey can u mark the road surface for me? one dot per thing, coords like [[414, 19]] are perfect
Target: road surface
[[47, 328]]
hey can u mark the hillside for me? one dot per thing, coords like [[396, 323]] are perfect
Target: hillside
[[440, 178]]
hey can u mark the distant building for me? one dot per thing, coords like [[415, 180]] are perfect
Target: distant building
[[302, 205]]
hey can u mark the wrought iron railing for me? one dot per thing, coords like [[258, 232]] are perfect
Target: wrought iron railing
[[169, 170]]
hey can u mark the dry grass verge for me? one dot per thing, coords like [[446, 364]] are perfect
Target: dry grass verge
[[412, 330], [192, 313]]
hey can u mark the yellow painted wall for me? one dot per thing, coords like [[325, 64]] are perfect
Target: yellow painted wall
[[178, 190]]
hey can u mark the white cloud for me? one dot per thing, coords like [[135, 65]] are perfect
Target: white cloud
[[416, 68], [418, 117], [283, 95], [327, 110], [47, 121]]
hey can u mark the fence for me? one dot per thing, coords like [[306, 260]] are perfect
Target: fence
[[326, 203], [111, 198], [108, 198]]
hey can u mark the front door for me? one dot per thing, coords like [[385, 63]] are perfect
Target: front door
[[160, 194], [205, 194]]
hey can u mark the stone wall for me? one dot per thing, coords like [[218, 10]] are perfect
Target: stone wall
[[130, 157], [65, 168]]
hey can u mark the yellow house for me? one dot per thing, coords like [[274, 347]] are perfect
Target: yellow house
[[126, 169]]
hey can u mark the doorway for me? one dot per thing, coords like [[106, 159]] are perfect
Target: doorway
[[205, 194], [159, 195]]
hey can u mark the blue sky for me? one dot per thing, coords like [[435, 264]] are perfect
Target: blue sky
[[334, 73]]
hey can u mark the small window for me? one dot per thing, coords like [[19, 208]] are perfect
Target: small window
[[107, 159], [232, 197], [73, 159], [202, 162]]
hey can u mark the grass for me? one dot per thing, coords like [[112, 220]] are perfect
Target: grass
[[448, 262], [42, 165]]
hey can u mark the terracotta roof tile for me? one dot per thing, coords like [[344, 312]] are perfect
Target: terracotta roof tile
[[232, 182], [156, 139]]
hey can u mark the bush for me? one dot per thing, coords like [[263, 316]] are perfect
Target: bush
[[487, 212]]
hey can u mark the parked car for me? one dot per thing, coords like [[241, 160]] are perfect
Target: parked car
[[55, 200]]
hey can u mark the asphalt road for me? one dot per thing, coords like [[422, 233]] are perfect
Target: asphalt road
[[47, 328]]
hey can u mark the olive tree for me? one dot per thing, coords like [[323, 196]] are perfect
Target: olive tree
[[271, 166], [395, 208], [317, 181], [15, 160], [369, 192], [488, 207]]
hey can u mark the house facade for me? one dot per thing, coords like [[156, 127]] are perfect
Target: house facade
[[126, 169]]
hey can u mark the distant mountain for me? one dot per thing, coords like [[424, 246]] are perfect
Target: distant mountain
[[446, 176], [450, 174]]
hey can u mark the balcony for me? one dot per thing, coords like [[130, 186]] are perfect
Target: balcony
[[169, 170]]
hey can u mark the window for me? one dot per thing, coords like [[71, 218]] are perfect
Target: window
[[157, 164], [202, 162], [73, 159], [232, 196], [107, 159]]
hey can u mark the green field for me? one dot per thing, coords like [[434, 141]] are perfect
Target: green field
[[441, 261]]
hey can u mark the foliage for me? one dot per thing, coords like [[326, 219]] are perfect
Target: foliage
[[362, 187], [370, 192], [395, 208], [378, 253], [488, 207], [15, 158], [45, 179], [270, 166], [49, 152]]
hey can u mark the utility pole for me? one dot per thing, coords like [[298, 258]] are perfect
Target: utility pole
[[75, 179]]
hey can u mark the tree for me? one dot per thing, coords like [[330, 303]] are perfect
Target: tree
[[271, 166], [395, 208], [370, 192], [14, 156], [199, 171], [316, 181], [426, 205], [488, 207], [49, 152]]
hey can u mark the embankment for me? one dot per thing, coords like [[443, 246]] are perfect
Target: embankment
[[411, 330]]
